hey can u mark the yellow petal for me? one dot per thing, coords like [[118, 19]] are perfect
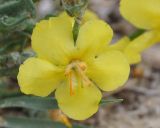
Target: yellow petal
[[137, 46], [53, 40], [89, 15], [82, 104], [66, 16], [142, 13], [38, 77], [132, 57], [109, 70], [120, 44], [94, 35]]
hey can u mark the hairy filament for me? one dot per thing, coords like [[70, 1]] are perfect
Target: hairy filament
[[70, 83]]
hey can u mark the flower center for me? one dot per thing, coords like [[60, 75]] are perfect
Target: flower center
[[77, 69]]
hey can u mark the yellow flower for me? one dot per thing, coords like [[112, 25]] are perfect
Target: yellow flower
[[143, 14], [133, 49], [75, 72], [120, 44], [89, 15]]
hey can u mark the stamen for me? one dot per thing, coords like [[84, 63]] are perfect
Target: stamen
[[82, 66], [79, 69], [84, 77]]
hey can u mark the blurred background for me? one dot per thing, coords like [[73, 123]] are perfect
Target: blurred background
[[141, 93]]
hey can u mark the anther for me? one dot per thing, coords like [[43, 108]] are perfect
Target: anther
[[78, 68], [83, 76], [82, 66]]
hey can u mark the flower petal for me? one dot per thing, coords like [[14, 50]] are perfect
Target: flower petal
[[38, 77], [94, 35], [142, 13], [137, 46], [65, 15], [53, 40], [89, 15], [109, 70], [82, 104], [120, 44]]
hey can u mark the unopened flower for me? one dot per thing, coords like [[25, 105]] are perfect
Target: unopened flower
[[75, 72]]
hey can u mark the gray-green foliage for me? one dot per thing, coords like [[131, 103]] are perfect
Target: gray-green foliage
[[13, 13], [17, 19]]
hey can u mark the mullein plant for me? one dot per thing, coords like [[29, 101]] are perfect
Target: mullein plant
[[78, 68]]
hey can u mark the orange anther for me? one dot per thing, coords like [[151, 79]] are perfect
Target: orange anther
[[82, 66]]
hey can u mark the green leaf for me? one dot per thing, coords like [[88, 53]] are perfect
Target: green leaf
[[14, 122], [21, 122], [75, 30], [81, 126], [30, 7], [15, 58], [12, 71], [3, 84], [30, 102], [38, 103], [110, 101], [9, 6], [14, 13], [7, 21], [136, 34], [9, 93]]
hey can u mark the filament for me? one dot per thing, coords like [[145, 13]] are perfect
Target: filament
[[70, 83], [78, 68]]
